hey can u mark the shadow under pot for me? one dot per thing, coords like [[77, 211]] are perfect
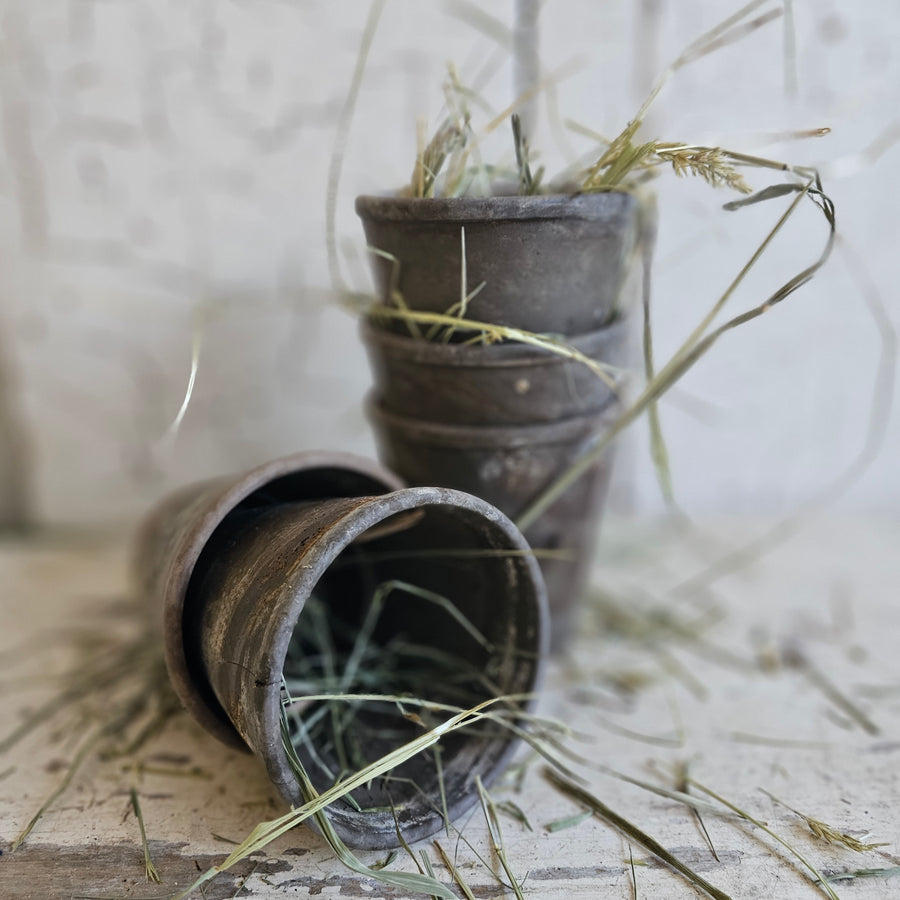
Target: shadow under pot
[[420, 592], [510, 467], [492, 384], [552, 264]]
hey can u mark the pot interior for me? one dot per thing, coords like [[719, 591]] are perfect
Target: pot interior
[[438, 611]]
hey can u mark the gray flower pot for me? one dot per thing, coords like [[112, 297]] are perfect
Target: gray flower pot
[[496, 384], [550, 264], [233, 563]]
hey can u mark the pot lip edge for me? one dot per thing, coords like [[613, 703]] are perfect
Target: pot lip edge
[[390, 206], [492, 437]]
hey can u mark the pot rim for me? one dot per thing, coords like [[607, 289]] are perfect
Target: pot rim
[[598, 205], [509, 437], [507, 354]]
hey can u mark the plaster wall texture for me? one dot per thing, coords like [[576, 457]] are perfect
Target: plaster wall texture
[[163, 172]]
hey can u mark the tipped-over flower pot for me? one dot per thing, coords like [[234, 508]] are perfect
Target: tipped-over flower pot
[[315, 575]]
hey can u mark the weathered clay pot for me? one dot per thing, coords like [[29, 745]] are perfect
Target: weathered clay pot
[[233, 564], [175, 534], [509, 466], [496, 384], [550, 264]]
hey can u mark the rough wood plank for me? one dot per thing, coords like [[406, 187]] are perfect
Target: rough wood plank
[[642, 695]]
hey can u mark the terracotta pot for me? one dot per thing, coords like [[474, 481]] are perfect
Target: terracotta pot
[[550, 264], [497, 384], [509, 466], [235, 562]]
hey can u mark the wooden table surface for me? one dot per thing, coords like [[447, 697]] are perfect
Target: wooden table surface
[[782, 676]]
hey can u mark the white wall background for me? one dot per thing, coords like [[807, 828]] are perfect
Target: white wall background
[[160, 157]]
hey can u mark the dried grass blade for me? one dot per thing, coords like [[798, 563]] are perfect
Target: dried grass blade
[[74, 766], [480, 20], [394, 294], [709, 163], [387, 587], [80, 683], [569, 821], [149, 868], [426, 863], [454, 872], [439, 768], [383, 864], [768, 193], [401, 840], [725, 32], [880, 405], [458, 97], [887, 872], [694, 347], [688, 800], [196, 345], [496, 836], [459, 309], [448, 140], [633, 873], [797, 659], [683, 786], [819, 878], [418, 178], [658, 450], [655, 740], [451, 553], [266, 832], [526, 180], [736, 33], [39, 717], [632, 832], [494, 333], [514, 811], [557, 75], [422, 882], [345, 119], [621, 152], [827, 832]]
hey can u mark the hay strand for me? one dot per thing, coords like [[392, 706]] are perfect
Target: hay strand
[[828, 833], [695, 346], [495, 835], [631, 832], [266, 832], [150, 869], [818, 877], [454, 872], [342, 133]]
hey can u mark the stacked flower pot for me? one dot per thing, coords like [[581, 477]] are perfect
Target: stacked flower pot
[[503, 419]]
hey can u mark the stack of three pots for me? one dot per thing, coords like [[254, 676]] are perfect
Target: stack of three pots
[[503, 420]]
